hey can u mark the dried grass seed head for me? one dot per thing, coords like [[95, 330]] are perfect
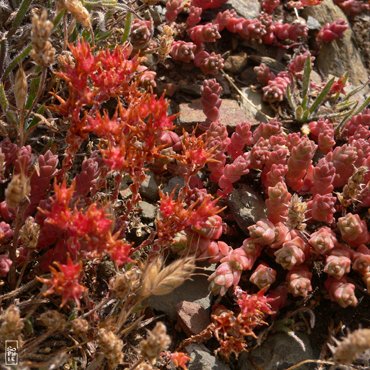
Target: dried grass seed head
[[352, 346], [296, 213], [29, 233], [79, 326], [17, 190], [123, 284], [53, 320], [20, 88], [11, 323], [42, 51], [111, 347], [159, 280], [156, 342], [78, 11]]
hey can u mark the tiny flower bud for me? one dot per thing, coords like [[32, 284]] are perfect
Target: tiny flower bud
[[299, 281], [263, 276], [337, 266]]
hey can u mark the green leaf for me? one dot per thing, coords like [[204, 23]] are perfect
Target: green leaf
[[362, 106], [22, 10], [58, 18], [355, 91], [321, 97], [3, 99], [17, 60], [35, 120], [127, 29], [306, 81], [34, 87], [299, 113], [289, 98], [102, 35]]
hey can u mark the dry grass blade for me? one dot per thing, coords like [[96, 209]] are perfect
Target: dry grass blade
[[159, 280]]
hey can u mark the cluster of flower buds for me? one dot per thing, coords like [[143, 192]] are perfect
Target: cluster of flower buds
[[332, 31], [289, 168], [269, 6], [262, 29], [264, 74], [141, 33], [300, 4], [208, 4], [182, 51], [204, 33], [228, 273], [173, 9], [194, 16], [275, 89], [352, 7], [211, 102], [209, 63]]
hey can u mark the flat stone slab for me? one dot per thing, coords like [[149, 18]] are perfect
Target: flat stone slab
[[231, 113]]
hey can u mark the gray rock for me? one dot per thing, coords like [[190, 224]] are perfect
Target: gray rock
[[231, 113], [246, 8], [341, 55], [247, 206], [148, 211], [195, 290], [149, 187], [192, 317], [174, 182], [202, 359], [313, 23], [254, 104], [278, 352]]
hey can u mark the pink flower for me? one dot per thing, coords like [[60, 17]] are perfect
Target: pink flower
[[212, 228], [173, 9], [275, 89], [263, 276], [263, 232], [65, 282], [204, 33], [270, 5], [321, 208], [264, 74], [141, 33], [278, 202], [209, 63], [292, 253], [332, 31], [337, 266], [341, 291], [208, 4], [322, 177], [182, 51], [299, 281], [194, 16], [282, 235], [361, 260], [241, 137], [225, 276], [5, 264], [353, 230], [323, 240], [210, 99]]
